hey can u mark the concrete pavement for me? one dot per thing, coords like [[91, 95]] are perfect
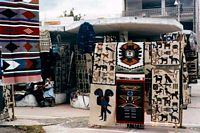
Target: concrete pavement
[[64, 119]]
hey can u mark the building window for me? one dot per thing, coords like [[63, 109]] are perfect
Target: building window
[[149, 4]]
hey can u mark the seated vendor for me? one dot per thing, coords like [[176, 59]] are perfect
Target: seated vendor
[[48, 89]]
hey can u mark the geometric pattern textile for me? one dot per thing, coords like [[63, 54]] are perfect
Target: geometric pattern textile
[[16, 46], [19, 30], [130, 57], [19, 38], [130, 107], [102, 105], [11, 13]]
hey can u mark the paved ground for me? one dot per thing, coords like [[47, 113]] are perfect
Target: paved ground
[[10, 130], [64, 119]]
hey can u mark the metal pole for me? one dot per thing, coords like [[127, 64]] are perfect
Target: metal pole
[[194, 17], [163, 7], [179, 12]]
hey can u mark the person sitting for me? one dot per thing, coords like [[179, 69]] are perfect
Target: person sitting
[[48, 92]]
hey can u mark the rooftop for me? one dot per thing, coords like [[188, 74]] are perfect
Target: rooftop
[[135, 25]]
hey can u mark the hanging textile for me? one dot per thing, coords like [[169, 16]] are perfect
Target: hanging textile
[[130, 80], [86, 38], [19, 38], [104, 63], [130, 57], [102, 105], [165, 81], [130, 103]]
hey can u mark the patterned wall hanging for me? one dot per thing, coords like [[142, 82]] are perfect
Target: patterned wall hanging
[[130, 103], [102, 105], [104, 63], [10, 13], [13, 31], [130, 57], [165, 95], [185, 83], [83, 71], [18, 46], [19, 38], [166, 53], [147, 51]]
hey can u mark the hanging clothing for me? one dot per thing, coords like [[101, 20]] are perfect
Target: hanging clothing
[[86, 38]]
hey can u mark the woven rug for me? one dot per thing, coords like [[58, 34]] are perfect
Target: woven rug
[[102, 105], [130, 57], [19, 38], [165, 95], [104, 63], [166, 53], [130, 106]]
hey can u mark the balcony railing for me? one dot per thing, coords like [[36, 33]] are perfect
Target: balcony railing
[[186, 13]]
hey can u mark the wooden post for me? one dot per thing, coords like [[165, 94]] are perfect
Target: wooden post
[[181, 117], [13, 102]]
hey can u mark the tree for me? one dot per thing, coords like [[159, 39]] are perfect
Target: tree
[[71, 14], [77, 17]]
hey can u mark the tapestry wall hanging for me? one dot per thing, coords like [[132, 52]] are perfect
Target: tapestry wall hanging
[[165, 95], [19, 38], [166, 53], [130, 57], [102, 105], [130, 103], [104, 63]]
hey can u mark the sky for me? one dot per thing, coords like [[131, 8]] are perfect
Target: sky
[[87, 8]]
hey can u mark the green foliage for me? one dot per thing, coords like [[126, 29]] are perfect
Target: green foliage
[[31, 129]]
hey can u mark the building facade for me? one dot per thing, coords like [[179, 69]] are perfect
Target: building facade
[[186, 10], [56, 24]]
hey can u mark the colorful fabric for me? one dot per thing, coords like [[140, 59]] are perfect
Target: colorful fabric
[[104, 63], [17, 15], [18, 30], [102, 105], [18, 64], [130, 57], [19, 38], [20, 46], [130, 106]]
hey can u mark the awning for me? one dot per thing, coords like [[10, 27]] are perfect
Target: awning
[[135, 25]]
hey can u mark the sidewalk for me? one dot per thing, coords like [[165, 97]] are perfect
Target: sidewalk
[[64, 119], [46, 115]]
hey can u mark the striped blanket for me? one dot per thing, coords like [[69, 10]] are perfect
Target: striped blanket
[[19, 41]]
